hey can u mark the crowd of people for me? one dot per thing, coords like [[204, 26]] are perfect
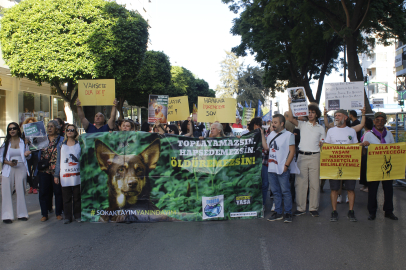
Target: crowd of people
[[290, 161]]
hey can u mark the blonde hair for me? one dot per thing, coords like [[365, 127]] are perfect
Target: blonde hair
[[66, 133], [33, 119]]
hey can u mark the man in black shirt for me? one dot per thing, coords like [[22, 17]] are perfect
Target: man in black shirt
[[354, 122]]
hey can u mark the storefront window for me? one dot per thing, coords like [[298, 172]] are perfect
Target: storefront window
[[33, 105], [58, 109]]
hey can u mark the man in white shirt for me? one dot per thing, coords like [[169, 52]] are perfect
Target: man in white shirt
[[308, 161], [379, 135], [281, 146], [342, 134]]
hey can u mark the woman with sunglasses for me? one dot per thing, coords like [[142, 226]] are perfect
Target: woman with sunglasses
[[172, 129], [13, 155], [67, 172]]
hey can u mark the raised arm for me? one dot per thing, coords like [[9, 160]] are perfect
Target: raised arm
[[112, 119], [359, 127], [81, 115], [290, 114], [326, 123], [264, 144]]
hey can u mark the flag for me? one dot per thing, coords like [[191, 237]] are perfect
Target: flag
[[194, 108], [237, 113], [250, 103], [259, 111], [240, 106], [246, 105]]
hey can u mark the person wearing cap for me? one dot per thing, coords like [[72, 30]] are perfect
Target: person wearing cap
[[237, 123], [99, 119], [342, 134], [308, 161], [379, 135]]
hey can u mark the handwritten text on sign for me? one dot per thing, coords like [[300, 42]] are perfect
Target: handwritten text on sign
[[178, 108], [340, 161], [97, 92], [216, 109], [386, 162], [344, 95]]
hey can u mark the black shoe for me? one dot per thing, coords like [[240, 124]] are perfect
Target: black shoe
[[275, 216], [314, 213], [351, 216], [298, 213], [334, 216], [371, 216], [288, 218], [7, 221], [391, 216], [23, 218]]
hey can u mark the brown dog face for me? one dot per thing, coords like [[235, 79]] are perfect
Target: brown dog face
[[127, 173]]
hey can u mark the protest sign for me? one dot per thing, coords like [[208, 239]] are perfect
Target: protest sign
[[299, 104], [247, 115], [158, 108], [386, 162], [340, 161], [178, 108], [100, 92], [173, 176], [216, 109], [35, 133], [377, 103], [344, 95]]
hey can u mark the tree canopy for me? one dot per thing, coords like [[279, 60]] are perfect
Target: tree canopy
[[228, 76], [59, 41], [251, 86]]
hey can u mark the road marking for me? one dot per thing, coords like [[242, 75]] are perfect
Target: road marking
[[266, 260]]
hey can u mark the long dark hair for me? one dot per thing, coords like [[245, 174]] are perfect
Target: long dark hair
[[183, 127], [8, 137]]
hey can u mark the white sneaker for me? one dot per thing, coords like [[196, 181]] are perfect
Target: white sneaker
[[339, 199], [273, 207], [346, 199]]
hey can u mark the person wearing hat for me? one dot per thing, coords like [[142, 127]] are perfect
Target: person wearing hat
[[342, 134], [99, 119], [379, 135]]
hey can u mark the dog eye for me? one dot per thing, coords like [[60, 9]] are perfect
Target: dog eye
[[121, 169]]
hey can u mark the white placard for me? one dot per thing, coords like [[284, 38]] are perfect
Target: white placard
[[213, 207], [377, 102], [299, 105], [344, 95]]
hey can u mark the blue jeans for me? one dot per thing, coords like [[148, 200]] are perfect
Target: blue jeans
[[265, 183], [280, 187]]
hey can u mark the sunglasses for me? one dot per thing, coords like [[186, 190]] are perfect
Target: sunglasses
[[70, 130], [12, 128]]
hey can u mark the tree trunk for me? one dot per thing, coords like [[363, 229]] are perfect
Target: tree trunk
[[68, 112], [120, 107]]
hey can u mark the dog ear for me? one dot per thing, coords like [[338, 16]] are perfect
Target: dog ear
[[104, 155], [151, 154]]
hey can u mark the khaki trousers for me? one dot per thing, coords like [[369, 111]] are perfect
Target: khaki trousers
[[309, 178], [17, 178]]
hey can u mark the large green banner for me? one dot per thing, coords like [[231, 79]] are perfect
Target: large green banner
[[147, 177]]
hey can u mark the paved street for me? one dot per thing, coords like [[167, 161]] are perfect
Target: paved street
[[307, 243]]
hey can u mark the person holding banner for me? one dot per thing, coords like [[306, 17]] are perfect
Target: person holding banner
[[379, 135], [342, 134], [99, 119], [308, 161], [281, 146], [127, 125], [188, 129]]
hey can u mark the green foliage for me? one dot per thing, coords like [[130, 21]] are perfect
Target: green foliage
[[228, 76], [59, 41], [251, 87], [173, 187]]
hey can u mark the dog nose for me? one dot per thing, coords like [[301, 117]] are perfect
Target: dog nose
[[132, 183]]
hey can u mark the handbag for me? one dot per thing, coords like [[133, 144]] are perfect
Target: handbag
[[44, 163]]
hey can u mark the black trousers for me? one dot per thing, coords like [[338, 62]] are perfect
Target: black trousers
[[69, 202], [47, 186], [387, 193], [32, 165]]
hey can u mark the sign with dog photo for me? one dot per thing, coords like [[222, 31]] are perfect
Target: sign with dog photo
[[158, 108], [148, 177], [299, 104]]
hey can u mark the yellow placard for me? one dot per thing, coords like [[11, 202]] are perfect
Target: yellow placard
[[386, 162], [178, 108], [216, 109], [97, 92], [340, 161]]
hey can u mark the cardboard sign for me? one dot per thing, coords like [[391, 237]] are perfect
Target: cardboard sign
[[344, 95], [386, 162], [158, 108], [216, 109], [36, 129], [340, 161], [178, 108], [247, 115], [97, 92], [299, 105]]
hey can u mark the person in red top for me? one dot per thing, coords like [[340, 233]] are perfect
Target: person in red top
[[237, 123]]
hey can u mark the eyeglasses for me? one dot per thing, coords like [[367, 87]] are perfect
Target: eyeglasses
[[12, 128], [70, 130], [170, 130]]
